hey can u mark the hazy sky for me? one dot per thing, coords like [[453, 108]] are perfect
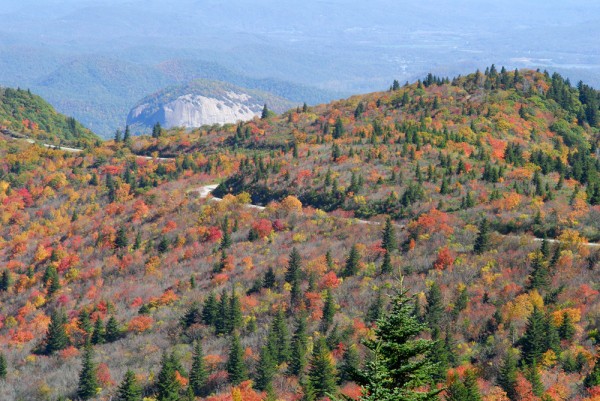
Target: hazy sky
[[121, 50]]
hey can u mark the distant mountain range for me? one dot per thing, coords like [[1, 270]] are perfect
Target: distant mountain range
[[94, 59], [202, 102], [100, 91]]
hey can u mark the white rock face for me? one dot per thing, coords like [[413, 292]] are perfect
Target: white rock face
[[202, 102], [194, 110]]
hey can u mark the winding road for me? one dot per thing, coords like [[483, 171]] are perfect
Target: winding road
[[77, 150], [206, 190]]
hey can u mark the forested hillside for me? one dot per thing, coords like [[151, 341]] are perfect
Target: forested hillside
[[447, 227], [25, 113]]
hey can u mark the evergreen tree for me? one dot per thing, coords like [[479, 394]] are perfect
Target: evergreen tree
[[465, 390], [328, 312], [567, 329], [402, 361], [3, 366], [138, 241], [378, 385], [472, 393], [167, 384], [350, 364], [226, 241], [127, 135], [156, 130], [118, 136], [121, 239], [482, 242], [191, 316], [235, 318], [388, 241], [507, 377], [308, 392], [540, 276], [265, 112], [98, 332], [295, 294], [88, 382], [533, 342], [532, 374], [94, 180], [269, 280], [552, 337], [435, 306], [461, 302], [545, 249], [51, 280], [236, 368], [450, 347], [352, 262], [457, 390], [198, 373], [386, 265], [294, 264], [163, 245], [112, 332], [292, 276], [376, 309], [279, 338], [298, 358], [593, 378], [439, 353], [84, 322], [266, 369], [221, 324], [210, 309], [56, 337], [338, 129], [321, 371], [5, 280], [129, 389]]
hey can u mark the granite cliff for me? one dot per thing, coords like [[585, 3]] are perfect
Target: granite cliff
[[202, 102]]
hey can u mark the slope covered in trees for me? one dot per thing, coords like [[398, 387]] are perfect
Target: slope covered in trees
[[25, 113], [118, 280]]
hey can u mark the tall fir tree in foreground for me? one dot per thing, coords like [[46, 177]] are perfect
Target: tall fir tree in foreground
[[402, 367]]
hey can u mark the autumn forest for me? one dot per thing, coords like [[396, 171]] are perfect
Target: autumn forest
[[438, 240]]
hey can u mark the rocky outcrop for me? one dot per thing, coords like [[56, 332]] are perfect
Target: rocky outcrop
[[202, 103]]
